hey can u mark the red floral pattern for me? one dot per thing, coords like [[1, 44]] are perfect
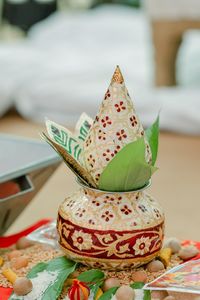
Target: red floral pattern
[[133, 121], [91, 160], [107, 95], [101, 135], [120, 106], [106, 121], [121, 134], [100, 243], [107, 216], [126, 210]]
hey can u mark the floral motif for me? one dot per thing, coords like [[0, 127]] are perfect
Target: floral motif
[[108, 199], [82, 240], [142, 246], [142, 208], [107, 216], [91, 160], [96, 202], [80, 212], [91, 222], [126, 210], [97, 176], [120, 106], [106, 121], [70, 203], [101, 135], [157, 212], [108, 154], [133, 121], [107, 95], [121, 134], [88, 141]]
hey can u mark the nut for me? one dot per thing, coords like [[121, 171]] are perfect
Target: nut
[[139, 276], [188, 252], [125, 292], [19, 262], [110, 282], [159, 295], [24, 243], [155, 266], [174, 244], [22, 286]]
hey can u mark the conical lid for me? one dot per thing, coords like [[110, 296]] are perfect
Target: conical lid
[[115, 126]]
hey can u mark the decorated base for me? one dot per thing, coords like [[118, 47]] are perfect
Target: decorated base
[[110, 230]]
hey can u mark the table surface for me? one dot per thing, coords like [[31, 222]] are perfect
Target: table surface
[[175, 184]]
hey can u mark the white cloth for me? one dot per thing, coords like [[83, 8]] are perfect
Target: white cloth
[[65, 66], [173, 9]]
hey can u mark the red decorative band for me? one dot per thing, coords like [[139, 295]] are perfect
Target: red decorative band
[[109, 244]]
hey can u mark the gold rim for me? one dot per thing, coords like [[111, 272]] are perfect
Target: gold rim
[[83, 185]]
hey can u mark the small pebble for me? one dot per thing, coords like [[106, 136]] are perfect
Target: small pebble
[[110, 282], [19, 262], [22, 286], [174, 244], [159, 295], [125, 292], [24, 243], [155, 266], [139, 276], [14, 254], [188, 252]]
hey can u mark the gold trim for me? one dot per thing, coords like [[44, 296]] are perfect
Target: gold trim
[[128, 261], [117, 76]]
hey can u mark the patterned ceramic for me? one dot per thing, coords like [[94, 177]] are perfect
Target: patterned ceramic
[[115, 126], [110, 230]]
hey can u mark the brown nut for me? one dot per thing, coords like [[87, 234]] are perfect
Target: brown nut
[[159, 295], [155, 266], [14, 254], [188, 252], [22, 286], [125, 292], [139, 276], [19, 262], [24, 243], [174, 244], [110, 282]]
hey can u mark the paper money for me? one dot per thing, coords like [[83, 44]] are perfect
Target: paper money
[[71, 162], [83, 126]]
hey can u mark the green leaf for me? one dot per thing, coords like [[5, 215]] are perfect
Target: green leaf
[[147, 295], [63, 266], [138, 286], [128, 170], [92, 276], [109, 294], [152, 135]]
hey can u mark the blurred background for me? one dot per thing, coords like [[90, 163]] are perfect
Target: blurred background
[[56, 61]]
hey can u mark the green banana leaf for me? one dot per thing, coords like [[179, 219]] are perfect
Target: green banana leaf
[[128, 170]]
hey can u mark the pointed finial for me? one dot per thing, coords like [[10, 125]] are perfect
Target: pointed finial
[[117, 76]]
